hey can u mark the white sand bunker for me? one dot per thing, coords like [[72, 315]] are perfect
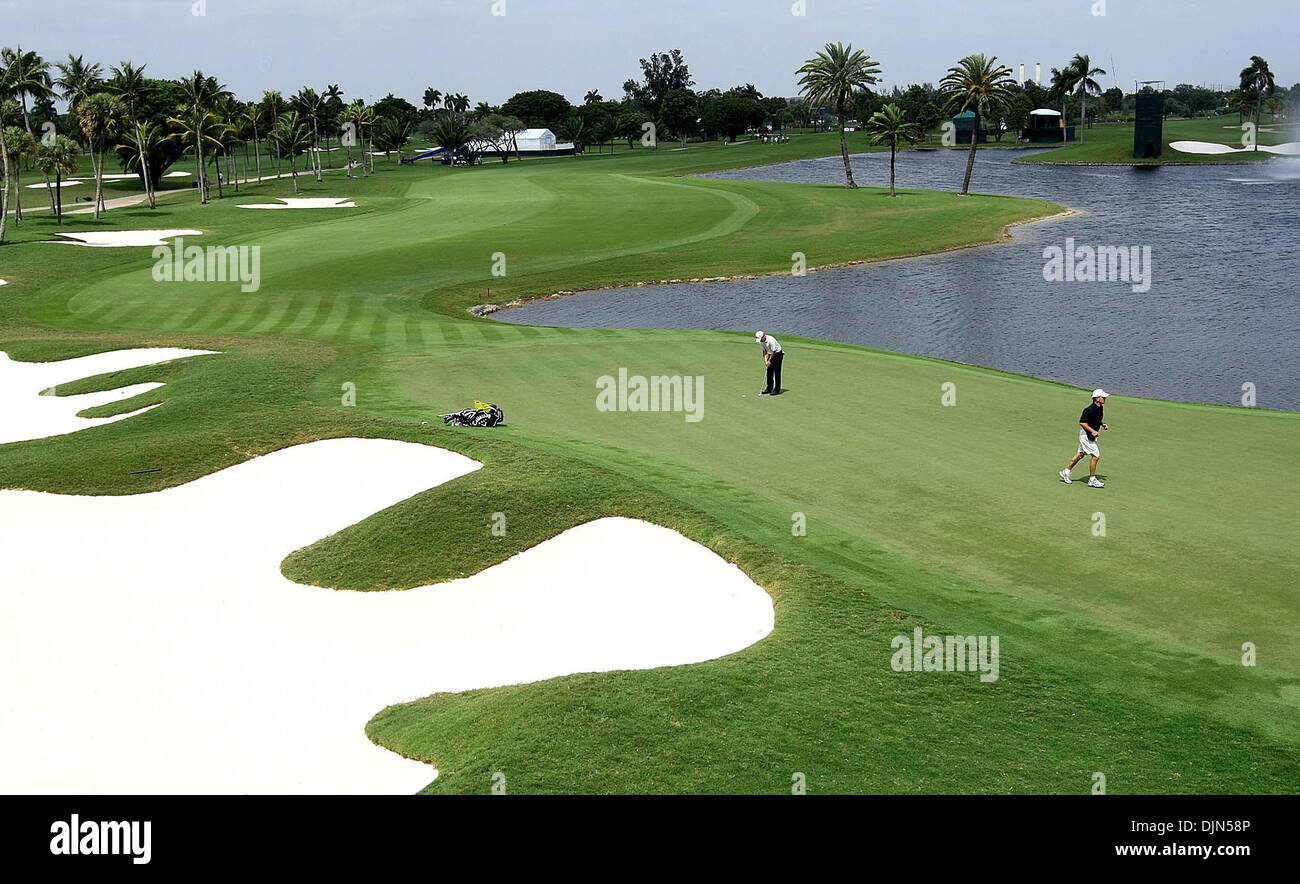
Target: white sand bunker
[[290, 202], [26, 414], [2, 282], [120, 238], [67, 182], [169, 655], [1290, 149]]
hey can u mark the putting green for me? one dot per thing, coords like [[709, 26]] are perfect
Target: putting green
[[1120, 653]]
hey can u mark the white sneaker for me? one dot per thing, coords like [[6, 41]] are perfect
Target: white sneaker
[[1065, 477], [1094, 482]]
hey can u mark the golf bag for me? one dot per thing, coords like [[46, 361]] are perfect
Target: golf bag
[[482, 414]]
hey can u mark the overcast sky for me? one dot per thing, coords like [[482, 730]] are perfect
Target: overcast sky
[[372, 47]]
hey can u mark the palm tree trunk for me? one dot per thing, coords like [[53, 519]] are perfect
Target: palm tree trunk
[[1258, 104], [844, 152], [4, 196], [893, 152], [58, 187], [1083, 123], [293, 166], [316, 139], [198, 156], [144, 167], [18, 193], [257, 151], [99, 178], [970, 160]]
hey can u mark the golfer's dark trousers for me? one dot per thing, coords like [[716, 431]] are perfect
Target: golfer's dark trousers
[[774, 373]]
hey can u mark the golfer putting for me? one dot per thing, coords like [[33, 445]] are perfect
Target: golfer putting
[[1090, 427], [773, 356]]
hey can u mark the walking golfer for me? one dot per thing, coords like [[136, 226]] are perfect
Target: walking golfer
[[1090, 427], [773, 355]]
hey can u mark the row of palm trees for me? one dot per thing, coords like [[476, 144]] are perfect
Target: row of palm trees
[[977, 83], [831, 77], [1076, 79], [209, 123]]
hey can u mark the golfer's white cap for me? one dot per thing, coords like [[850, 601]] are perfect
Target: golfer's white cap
[[758, 336], [1099, 393]]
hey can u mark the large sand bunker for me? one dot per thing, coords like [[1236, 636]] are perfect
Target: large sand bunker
[[151, 645]]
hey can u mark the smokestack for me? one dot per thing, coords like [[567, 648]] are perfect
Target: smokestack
[[1022, 73], [1038, 73]]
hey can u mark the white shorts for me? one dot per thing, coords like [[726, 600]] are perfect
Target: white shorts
[[1086, 445]]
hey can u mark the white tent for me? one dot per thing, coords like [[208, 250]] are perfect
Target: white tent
[[535, 139], [526, 141], [1044, 112]]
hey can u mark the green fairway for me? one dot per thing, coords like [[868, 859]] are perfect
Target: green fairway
[[1120, 653]]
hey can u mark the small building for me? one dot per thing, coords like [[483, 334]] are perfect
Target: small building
[[964, 125], [1044, 127]]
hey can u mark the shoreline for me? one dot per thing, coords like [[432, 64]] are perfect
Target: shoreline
[[482, 311]]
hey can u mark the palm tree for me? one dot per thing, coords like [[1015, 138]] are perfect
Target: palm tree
[[78, 81], [199, 133], [128, 84], [889, 124], [1081, 73], [1258, 79], [309, 104], [366, 119], [22, 147], [292, 140], [202, 94], [273, 102], [253, 119], [28, 75], [592, 97], [432, 98], [459, 103], [332, 104], [353, 115], [154, 138], [980, 84], [63, 157], [395, 132], [101, 117], [1061, 87], [830, 78]]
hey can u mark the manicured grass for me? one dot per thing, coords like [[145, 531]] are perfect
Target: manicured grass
[[1119, 653], [1113, 143]]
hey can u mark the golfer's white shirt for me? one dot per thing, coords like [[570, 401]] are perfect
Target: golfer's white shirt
[[769, 344]]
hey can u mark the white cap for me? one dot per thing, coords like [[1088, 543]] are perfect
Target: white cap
[[1099, 393], [758, 336]]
